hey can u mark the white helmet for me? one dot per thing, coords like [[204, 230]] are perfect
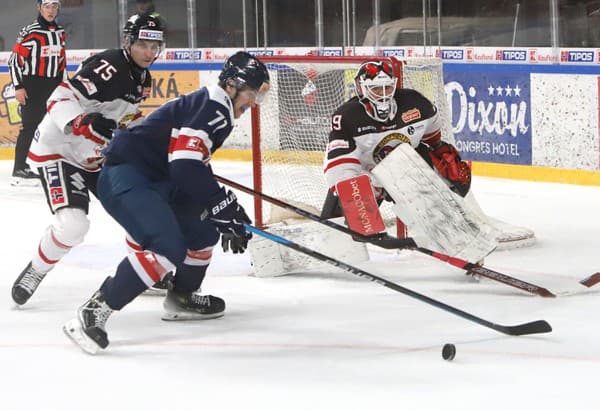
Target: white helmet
[[375, 86]]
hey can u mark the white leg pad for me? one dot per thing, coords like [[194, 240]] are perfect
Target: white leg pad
[[437, 217], [509, 236], [273, 259]]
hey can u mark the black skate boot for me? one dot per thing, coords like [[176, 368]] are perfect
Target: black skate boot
[[192, 306], [160, 288], [25, 177], [27, 282], [88, 331]]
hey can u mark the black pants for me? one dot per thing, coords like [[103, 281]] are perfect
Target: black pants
[[38, 90]]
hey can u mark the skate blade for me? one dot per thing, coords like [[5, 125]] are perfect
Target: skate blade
[[74, 332], [179, 316], [155, 292], [22, 182]]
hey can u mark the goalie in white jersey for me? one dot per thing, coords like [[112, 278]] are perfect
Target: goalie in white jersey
[[82, 113], [365, 129]]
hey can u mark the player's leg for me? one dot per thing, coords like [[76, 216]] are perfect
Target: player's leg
[[184, 301], [331, 207], [142, 208], [160, 287], [66, 189]]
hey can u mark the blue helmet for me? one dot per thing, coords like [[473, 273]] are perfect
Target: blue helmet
[[243, 69]]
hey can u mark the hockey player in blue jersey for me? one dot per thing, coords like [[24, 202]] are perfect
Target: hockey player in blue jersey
[[158, 184]]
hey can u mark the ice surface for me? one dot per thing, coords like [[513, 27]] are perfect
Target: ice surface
[[314, 341]]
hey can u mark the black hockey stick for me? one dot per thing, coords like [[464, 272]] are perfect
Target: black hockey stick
[[538, 326], [388, 242]]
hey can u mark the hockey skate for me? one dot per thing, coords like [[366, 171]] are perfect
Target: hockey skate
[[26, 284], [191, 306], [87, 330], [25, 177], [160, 288]]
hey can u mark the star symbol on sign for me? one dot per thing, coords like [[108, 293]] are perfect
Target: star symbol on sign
[[508, 90], [499, 90], [517, 91], [490, 90]]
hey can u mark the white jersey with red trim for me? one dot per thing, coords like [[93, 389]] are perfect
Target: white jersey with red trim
[[107, 83], [357, 142]]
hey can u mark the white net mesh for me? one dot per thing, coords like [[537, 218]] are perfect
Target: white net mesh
[[295, 124]]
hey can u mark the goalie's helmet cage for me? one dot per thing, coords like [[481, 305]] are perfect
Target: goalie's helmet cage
[[143, 27], [375, 87], [243, 69]]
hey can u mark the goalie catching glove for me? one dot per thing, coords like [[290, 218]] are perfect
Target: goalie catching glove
[[229, 218], [94, 126], [446, 159]]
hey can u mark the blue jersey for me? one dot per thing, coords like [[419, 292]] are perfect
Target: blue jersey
[[175, 142]]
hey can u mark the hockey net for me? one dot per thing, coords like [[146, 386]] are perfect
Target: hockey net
[[290, 130]]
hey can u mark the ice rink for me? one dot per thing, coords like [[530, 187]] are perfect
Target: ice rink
[[315, 341]]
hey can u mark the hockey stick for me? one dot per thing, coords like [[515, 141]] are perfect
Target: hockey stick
[[538, 326], [591, 280], [388, 242]]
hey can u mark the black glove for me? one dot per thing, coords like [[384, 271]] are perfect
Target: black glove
[[227, 215], [237, 244], [94, 126]]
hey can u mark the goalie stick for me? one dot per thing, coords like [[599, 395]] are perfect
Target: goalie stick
[[538, 326], [388, 242]]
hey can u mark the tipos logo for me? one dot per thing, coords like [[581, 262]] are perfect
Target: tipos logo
[[387, 145]]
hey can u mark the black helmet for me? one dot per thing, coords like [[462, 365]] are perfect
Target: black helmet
[[143, 27], [243, 69]]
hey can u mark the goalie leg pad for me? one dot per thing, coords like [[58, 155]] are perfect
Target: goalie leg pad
[[509, 236], [273, 259], [437, 217]]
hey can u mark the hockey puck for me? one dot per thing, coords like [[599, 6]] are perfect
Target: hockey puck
[[449, 351]]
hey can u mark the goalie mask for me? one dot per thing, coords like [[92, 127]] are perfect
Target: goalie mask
[[242, 71], [375, 86], [143, 27]]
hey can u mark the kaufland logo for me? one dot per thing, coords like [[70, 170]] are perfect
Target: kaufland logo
[[393, 52], [452, 54], [577, 56], [511, 55]]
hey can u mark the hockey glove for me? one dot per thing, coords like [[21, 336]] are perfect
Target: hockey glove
[[94, 126], [237, 244], [446, 159], [227, 215]]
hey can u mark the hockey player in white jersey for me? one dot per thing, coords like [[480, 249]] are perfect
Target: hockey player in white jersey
[[104, 94]]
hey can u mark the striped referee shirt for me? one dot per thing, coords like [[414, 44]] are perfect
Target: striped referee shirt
[[39, 52]]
